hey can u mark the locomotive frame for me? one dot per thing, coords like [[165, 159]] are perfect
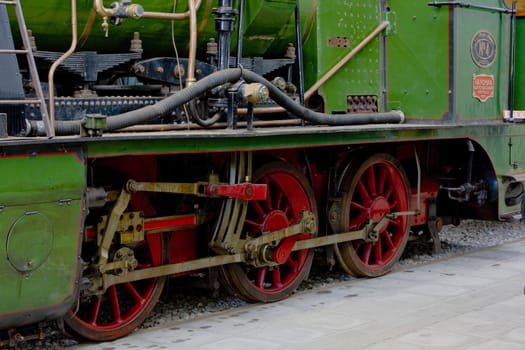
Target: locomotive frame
[[129, 191]]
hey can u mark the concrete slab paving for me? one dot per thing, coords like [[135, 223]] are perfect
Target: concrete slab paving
[[474, 301]]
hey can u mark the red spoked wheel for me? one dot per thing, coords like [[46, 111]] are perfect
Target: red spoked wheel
[[289, 194], [125, 306], [371, 189]]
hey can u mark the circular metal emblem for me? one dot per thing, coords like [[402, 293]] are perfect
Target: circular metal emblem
[[483, 49]]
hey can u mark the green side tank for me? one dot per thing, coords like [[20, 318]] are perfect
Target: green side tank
[[269, 26]]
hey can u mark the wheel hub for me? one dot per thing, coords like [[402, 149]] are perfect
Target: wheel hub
[[274, 221], [379, 208]]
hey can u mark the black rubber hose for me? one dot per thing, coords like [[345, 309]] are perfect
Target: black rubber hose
[[161, 108], [195, 115], [322, 118], [222, 77]]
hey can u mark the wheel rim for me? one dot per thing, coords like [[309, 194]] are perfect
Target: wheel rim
[[371, 190], [288, 195], [122, 307]]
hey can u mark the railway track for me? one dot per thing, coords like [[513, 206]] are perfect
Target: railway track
[[186, 300]]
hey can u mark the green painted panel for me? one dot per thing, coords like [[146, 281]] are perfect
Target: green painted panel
[[520, 65], [267, 25], [349, 21], [38, 177], [471, 26], [417, 56], [273, 138], [508, 158], [40, 222], [53, 32]]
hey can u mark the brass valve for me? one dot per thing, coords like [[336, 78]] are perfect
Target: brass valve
[[254, 92]]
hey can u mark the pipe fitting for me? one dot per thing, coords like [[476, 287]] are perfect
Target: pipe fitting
[[254, 93]]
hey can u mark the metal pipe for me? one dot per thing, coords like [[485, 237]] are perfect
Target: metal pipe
[[299, 44], [98, 5], [192, 126], [240, 31], [107, 12], [224, 25], [418, 167], [470, 163], [217, 79], [322, 118], [87, 28], [512, 77], [469, 5], [192, 56], [55, 65]]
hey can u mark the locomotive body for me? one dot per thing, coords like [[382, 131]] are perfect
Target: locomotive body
[[234, 138]]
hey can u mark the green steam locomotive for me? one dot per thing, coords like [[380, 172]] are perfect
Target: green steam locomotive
[[236, 139]]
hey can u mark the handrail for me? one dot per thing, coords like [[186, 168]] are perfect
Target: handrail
[[345, 59], [192, 55], [108, 12], [58, 62]]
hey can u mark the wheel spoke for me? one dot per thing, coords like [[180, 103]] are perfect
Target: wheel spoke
[[259, 211], [363, 192], [288, 211], [261, 277], [115, 306], [378, 252], [251, 223], [292, 264], [358, 220], [279, 200], [276, 277], [358, 206], [389, 190], [388, 240], [366, 253], [371, 182], [95, 310], [396, 222], [381, 181], [393, 205], [134, 293]]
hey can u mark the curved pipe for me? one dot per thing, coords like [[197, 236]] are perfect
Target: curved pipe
[[54, 66], [153, 111], [87, 28], [219, 78], [323, 118], [107, 12], [192, 56]]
